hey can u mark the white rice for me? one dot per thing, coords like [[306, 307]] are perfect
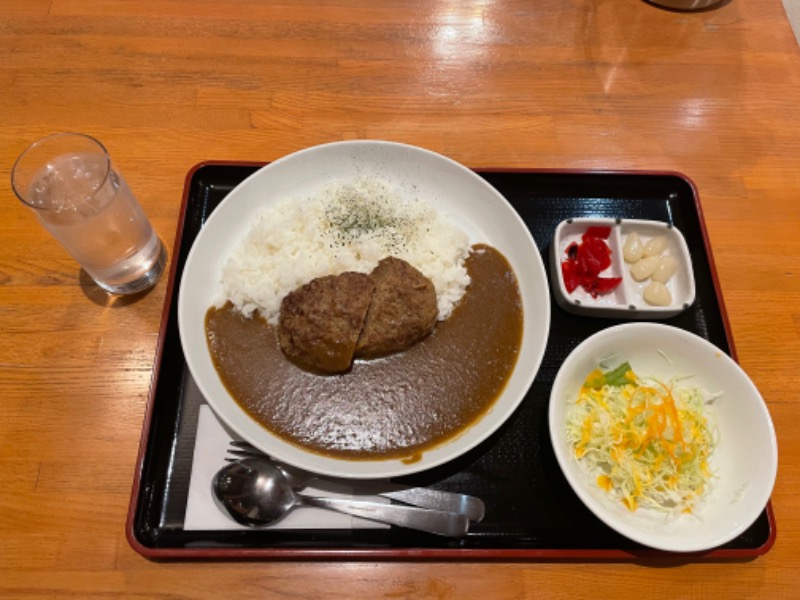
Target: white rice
[[348, 226]]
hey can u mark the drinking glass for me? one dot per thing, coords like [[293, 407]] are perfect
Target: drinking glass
[[71, 185]]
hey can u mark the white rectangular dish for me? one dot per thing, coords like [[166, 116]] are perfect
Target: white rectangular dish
[[628, 299]]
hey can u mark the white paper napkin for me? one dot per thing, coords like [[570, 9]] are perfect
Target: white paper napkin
[[202, 513]]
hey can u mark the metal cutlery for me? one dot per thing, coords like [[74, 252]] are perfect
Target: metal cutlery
[[470, 506]]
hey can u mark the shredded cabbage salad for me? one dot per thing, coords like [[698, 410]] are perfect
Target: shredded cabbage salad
[[645, 442]]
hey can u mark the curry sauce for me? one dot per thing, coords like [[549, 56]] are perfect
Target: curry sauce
[[393, 407]]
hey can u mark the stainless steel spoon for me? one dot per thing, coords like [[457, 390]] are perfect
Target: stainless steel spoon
[[472, 507], [254, 492]]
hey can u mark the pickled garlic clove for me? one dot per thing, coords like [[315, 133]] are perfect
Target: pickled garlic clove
[[665, 269], [657, 294], [645, 267], [655, 246], [632, 249]]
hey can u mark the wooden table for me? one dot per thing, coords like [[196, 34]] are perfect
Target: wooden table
[[166, 84]]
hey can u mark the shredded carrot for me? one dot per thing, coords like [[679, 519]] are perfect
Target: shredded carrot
[[647, 442]]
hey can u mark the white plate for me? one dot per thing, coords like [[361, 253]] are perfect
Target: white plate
[[470, 202], [627, 300], [745, 460]]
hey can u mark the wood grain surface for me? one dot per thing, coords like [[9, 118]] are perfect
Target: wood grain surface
[[165, 84]]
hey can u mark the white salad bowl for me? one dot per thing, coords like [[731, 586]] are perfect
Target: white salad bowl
[[744, 463]]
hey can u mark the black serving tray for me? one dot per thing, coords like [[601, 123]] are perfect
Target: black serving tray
[[532, 512]]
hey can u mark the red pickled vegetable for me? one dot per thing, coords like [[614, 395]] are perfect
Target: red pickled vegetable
[[572, 250], [601, 285], [585, 261], [593, 257], [571, 278], [598, 231]]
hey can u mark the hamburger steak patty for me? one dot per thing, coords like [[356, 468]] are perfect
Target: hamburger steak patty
[[403, 309], [320, 322], [327, 322]]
